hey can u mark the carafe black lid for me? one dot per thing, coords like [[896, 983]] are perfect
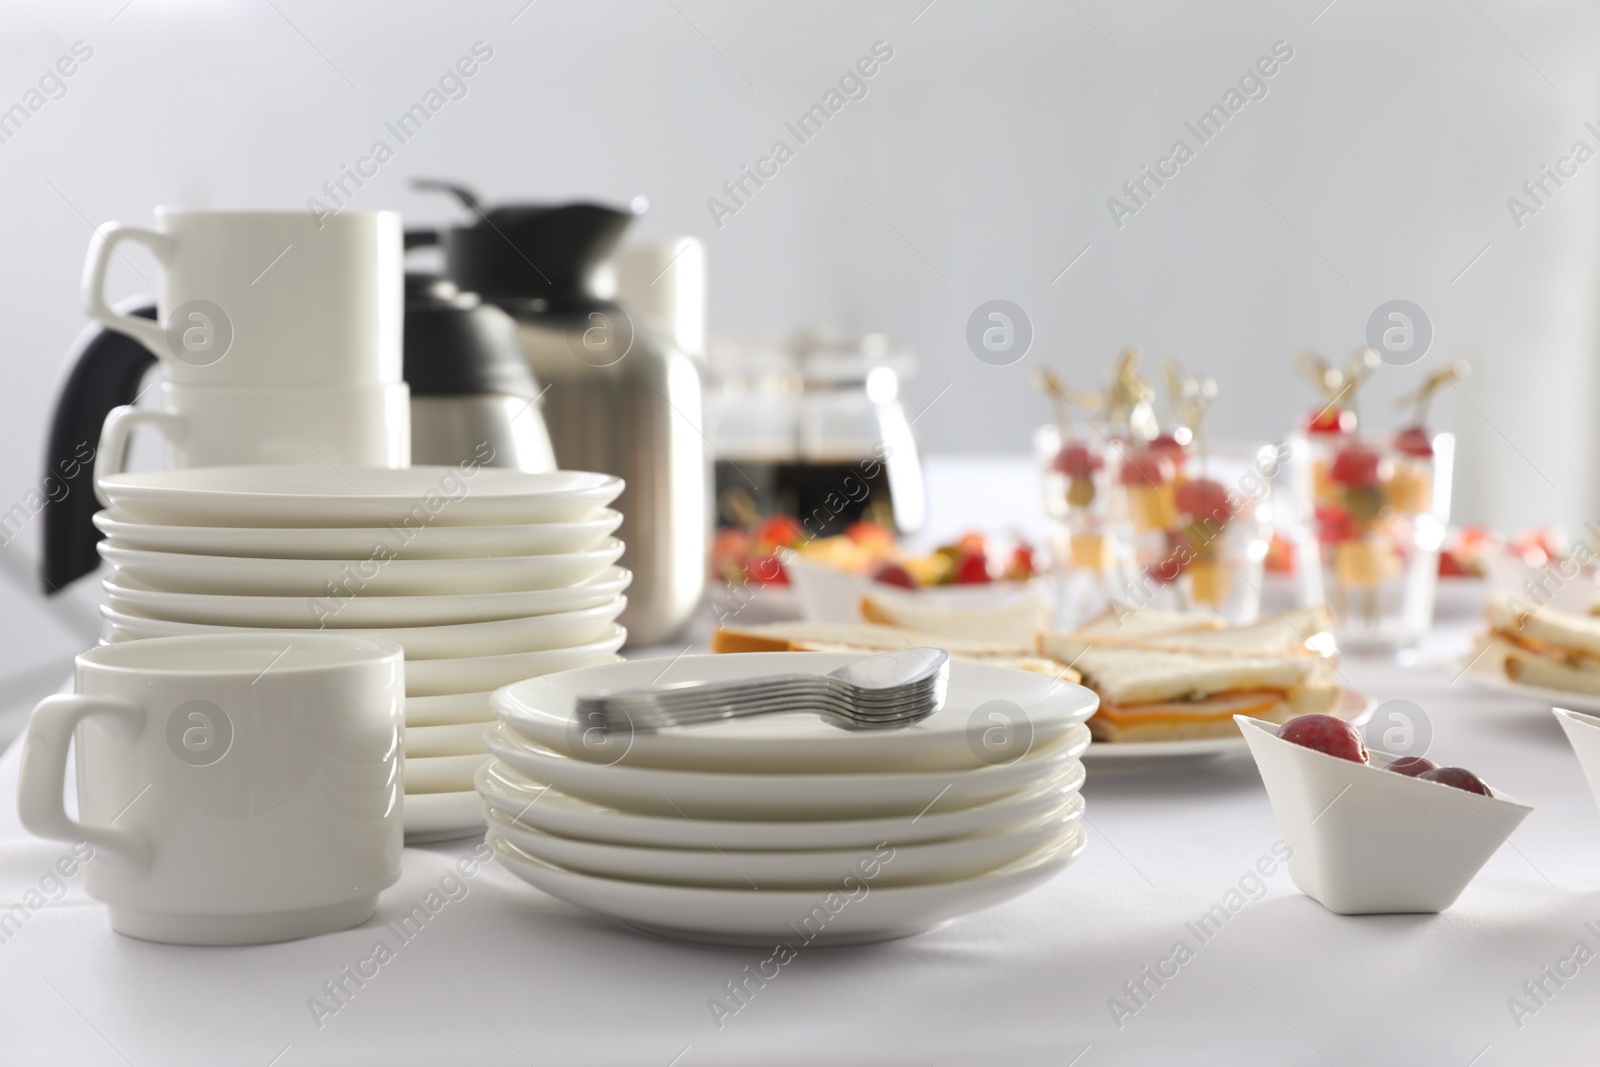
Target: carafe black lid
[[455, 344], [529, 250]]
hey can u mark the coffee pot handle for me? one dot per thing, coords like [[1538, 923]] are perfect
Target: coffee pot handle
[[40, 785], [111, 455], [101, 246]]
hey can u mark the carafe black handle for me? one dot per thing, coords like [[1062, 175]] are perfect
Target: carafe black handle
[[105, 374]]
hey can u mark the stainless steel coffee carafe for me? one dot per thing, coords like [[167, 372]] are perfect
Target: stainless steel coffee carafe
[[620, 397]]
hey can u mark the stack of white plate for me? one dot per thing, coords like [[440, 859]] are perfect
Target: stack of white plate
[[484, 576], [782, 828]]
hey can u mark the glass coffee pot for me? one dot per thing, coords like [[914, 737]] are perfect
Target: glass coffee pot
[[812, 427]]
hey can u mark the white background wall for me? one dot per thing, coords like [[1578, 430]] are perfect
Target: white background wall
[[978, 166]]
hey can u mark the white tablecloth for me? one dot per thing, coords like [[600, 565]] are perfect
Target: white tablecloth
[[507, 975]]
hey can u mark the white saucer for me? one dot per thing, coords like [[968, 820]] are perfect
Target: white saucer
[[449, 709], [695, 794], [324, 495], [991, 714], [178, 572], [447, 739], [441, 774], [892, 863], [532, 633], [1356, 708], [855, 912], [360, 542], [442, 817], [472, 674], [547, 808], [298, 612]]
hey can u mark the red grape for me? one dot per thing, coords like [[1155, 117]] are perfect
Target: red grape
[[1326, 733], [970, 570], [894, 574], [1331, 420], [1412, 766], [1078, 460], [1458, 777], [1147, 467], [1414, 441], [1355, 466], [1202, 498]]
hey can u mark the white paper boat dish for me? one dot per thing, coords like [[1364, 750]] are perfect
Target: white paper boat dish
[[853, 912], [908, 864], [1583, 731], [361, 542], [471, 674], [1034, 711], [177, 572], [1366, 840], [533, 633], [697, 795], [547, 808], [442, 817], [318, 495], [302, 612]]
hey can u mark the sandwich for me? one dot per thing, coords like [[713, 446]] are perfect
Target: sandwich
[[1545, 647], [869, 637], [1169, 676]]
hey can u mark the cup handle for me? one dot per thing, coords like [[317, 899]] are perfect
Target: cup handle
[[111, 455], [104, 242], [40, 805]]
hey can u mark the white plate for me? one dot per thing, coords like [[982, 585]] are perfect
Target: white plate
[[328, 496], [693, 794], [360, 542], [473, 674], [450, 739], [442, 817], [1484, 676], [853, 913], [891, 863], [1356, 708], [536, 633], [298, 612], [553, 811], [449, 709], [991, 714], [177, 572], [441, 774]]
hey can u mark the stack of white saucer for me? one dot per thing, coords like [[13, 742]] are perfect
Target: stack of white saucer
[[782, 828], [484, 576]]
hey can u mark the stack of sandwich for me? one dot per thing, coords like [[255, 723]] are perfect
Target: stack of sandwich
[[1543, 647], [1180, 676], [1160, 675]]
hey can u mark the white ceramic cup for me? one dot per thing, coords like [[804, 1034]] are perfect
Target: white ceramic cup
[[265, 297], [235, 789], [224, 426]]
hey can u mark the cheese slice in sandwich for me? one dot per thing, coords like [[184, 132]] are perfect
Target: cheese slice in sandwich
[[1546, 647], [1148, 695], [877, 637]]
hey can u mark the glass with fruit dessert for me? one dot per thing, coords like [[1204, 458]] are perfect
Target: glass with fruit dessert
[[1213, 554], [1072, 456], [1377, 502]]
